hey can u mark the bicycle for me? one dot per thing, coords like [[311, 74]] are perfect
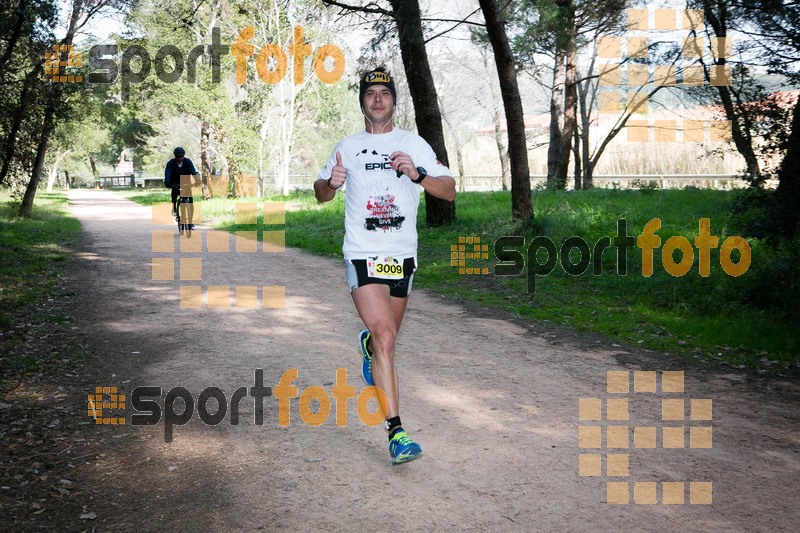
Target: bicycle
[[182, 207]]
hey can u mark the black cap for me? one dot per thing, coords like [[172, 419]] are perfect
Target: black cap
[[179, 151], [375, 77]]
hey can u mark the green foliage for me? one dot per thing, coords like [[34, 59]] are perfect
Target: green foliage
[[751, 210], [776, 257], [645, 185], [24, 86], [718, 314], [33, 260], [538, 27]]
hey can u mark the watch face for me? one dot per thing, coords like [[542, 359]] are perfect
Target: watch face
[[422, 170]]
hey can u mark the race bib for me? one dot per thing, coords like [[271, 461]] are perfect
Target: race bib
[[382, 267]]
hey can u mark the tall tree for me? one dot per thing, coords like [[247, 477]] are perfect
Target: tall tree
[[568, 126], [26, 34], [772, 28], [562, 29], [521, 207], [718, 13], [787, 194], [556, 115], [82, 11], [607, 24], [778, 34], [408, 18], [500, 139]]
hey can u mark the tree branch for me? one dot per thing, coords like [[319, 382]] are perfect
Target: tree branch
[[457, 24], [462, 21], [361, 9]]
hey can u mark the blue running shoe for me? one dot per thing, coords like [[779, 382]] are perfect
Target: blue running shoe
[[403, 449], [366, 360]]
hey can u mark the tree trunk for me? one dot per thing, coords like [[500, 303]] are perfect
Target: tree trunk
[[565, 148], [738, 115], [263, 132], [517, 146], [53, 174], [287, 135], [460, 162], [502, 149], [459, 159], [499, 138], [576, 150], [54, 102], [205, 162], [23, 12], [787, 195], [583, 135], [502, 145], [67, 181], [740, 133], [284, 167], [20, 111], [235, 177], [423, 94], [26, 208], [556, 116]]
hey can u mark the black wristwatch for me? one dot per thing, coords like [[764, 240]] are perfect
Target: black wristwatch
[[422, 174]]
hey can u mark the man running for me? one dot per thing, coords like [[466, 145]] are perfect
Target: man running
[[179, 166], [385, 169]]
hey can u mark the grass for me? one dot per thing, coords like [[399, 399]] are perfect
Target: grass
[[690, 314], [34, 258], [661, 312]]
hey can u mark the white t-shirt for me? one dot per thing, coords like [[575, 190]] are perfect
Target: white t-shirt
[[380, 208]]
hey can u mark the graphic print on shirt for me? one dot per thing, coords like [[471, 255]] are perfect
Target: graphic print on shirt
[[373, 166], [383, 214]]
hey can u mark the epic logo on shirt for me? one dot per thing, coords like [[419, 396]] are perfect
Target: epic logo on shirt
[[378, 166], [386, 164]]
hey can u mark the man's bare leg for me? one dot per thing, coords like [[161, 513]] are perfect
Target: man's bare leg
[[382, 314]]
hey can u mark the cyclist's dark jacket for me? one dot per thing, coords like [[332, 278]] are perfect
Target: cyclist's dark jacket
[[173, 173]]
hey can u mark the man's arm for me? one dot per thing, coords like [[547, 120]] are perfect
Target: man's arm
[[322, 192], [325, 190], [443, 186]]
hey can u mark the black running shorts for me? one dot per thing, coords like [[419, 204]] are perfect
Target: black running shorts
[[358, 276]]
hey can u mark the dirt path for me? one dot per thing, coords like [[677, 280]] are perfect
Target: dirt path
[[494, 406]]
